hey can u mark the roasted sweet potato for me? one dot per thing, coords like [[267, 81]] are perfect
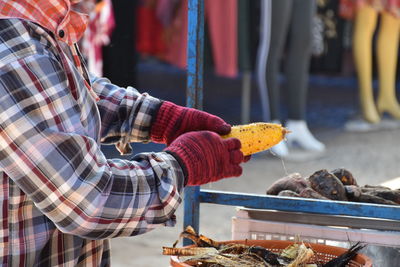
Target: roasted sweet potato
[[372, 194], [308, 192], [344, 176], [392, 195], [327, 185], [353, 192], [367, 188], [293, 182], [374, 199], [288, 193]]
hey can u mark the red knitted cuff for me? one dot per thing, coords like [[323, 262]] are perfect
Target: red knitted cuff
[[181, 163], [167, 113], [190, 164]]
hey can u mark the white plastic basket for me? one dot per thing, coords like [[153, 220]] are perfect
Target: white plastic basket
[[313, 228]]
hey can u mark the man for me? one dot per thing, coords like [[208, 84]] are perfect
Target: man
[[61, 198]]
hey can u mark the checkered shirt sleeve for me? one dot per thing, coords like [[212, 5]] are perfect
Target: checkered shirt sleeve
[[50, 151]]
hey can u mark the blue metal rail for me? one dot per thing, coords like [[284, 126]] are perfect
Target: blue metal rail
[[194, 94], [327, 207], [194, 196]]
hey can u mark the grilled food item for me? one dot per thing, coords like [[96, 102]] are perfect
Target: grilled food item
[[353, 192], [345, 176], [288, 193], [258, 136], [327, 185], [308, 192], [377, 196], [338, 184], [392, 195], [367, 198], [367, 187], [293, 182]]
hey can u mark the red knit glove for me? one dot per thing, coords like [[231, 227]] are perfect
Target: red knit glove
[[173, 120], [206, 157]]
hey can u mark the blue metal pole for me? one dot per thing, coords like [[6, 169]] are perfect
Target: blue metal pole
[[195, 51], [194, 94]]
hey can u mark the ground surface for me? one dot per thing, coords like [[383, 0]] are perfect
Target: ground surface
[[372, 157]]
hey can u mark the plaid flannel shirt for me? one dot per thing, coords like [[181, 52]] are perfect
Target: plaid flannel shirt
[[61, 199]]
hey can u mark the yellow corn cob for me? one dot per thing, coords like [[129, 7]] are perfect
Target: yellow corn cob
[[258, 136]]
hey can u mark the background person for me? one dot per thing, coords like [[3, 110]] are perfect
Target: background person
[[291, 21]]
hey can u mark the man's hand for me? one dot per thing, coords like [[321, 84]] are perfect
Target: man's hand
[[206, 157], [173, 120]]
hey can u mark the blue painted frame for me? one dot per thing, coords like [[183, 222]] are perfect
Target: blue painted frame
[[327, 207], [194, 196], [194, 94]]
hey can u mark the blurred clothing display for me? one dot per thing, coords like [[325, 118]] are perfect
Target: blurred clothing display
[[291, 24], [365, 16], [348, 8], [97, 34], [150, 28], [221, 21], [169, 19], [328, 41]]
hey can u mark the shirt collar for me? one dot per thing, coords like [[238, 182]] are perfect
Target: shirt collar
[[56, 16]]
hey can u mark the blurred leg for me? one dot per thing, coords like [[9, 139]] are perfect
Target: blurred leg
[[280, 20], [364, 27], [297, 73], [299, 56], [281, 11], [387, 50]]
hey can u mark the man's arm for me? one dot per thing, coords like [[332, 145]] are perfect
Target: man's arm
[[126, 114], [44, 150]]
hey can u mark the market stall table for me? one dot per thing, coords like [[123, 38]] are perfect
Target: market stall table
[[346, 212]]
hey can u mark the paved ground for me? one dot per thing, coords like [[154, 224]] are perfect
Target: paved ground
[[372, 157]]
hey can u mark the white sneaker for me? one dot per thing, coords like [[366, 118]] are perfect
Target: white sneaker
[[301, 135], [281, 150]]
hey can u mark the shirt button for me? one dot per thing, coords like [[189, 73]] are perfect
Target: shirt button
[[61, 33]]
